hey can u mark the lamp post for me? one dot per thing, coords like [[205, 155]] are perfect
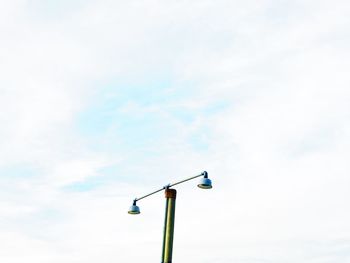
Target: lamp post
[[170, 196]]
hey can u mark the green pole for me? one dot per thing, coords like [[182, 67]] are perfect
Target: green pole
[[170, 195]]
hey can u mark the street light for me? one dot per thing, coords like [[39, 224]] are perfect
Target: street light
[[170, 195], [134, 209], [205, 182]]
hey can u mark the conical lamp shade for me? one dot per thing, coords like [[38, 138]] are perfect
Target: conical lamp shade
[[205, 183], [134, 210]]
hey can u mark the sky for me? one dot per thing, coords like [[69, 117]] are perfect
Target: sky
[[104, 101]]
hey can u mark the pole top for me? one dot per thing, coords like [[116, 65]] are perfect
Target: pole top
[[170, 193]]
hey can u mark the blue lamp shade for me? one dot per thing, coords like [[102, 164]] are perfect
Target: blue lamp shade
[[134, 209], [205, 183]]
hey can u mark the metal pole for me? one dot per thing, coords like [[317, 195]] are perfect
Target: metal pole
[[171, 185], [165, 228], [170, 195]]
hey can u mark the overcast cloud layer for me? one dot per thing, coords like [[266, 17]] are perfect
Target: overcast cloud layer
[[103, 101]]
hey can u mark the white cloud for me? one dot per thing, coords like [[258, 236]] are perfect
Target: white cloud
[[277, 150]]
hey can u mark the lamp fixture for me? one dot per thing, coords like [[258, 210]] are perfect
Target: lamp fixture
[[205, 182], [134, 209]]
